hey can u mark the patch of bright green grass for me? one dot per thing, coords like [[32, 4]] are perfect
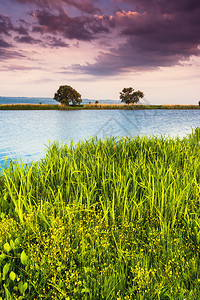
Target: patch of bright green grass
[[113, 219]]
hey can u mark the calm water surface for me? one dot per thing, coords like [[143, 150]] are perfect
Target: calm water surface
[[25, 134]]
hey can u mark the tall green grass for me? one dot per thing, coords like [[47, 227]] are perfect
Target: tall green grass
[[112, 219]]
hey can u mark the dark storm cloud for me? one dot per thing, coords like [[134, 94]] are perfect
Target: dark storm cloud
[[4, 44], [129, 57], [5, 28], [162, 5], [80, 28], [5, 25], [57, 43], [85, 6], [82, 5], [21, 30], [7, 41], [27, 40], [10, 54], [152, 33], [157, 34]]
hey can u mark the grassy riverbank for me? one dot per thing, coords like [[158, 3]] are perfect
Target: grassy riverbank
[[92, 106], [114, 219]]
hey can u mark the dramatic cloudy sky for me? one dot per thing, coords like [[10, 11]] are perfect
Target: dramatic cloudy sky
[[100, 46]]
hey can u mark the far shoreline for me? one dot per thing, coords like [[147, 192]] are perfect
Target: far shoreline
[[24, 106]]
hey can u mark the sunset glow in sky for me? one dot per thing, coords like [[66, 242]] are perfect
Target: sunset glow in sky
[[101, 46]]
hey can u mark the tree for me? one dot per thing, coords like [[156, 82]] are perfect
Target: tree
[[129, 96], [66, 94], [199, 103]]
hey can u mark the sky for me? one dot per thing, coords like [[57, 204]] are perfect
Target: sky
[[101, 46]]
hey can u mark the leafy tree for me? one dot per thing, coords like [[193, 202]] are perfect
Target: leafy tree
[[199, 103], [66, 94], [129, 96]]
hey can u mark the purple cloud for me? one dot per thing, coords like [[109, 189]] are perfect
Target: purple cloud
[[5, 25], [149, 33], [21, 30], [86, 6], [10, 54], [161, 5], [4, 44], [158, 34], [57, 43], [27, 40], [85, 28], [16, 68]]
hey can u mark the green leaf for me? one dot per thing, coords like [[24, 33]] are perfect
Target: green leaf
[[8, 295], [12, 276], [24, 258], [7, 247], [25, 286], [2, 215], [12, 244], [2, 256], [5, 270], [17, 241], [22, 287], [85, 290]]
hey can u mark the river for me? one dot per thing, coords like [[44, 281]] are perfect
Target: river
[[25, 134]]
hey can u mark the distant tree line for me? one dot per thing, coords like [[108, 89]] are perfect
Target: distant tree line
[[66, 95]]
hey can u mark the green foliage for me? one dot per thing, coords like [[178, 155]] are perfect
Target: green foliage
[[24, 258], [12, 272], [113, 219], [66, 94], [129, 96]]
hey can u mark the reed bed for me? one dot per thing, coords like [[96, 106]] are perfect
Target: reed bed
[[103, 219]]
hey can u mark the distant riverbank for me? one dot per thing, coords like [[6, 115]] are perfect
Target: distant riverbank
[[92, 106]]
